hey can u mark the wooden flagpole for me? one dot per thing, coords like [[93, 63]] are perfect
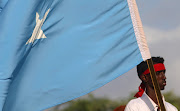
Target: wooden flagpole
[[156, 85]]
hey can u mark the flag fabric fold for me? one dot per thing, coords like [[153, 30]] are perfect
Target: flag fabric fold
[[53, 51], [2, 4]]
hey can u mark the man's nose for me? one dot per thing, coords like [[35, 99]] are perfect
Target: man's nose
[[164, 76]]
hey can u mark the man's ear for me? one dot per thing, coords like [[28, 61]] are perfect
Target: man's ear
[[143, 78]]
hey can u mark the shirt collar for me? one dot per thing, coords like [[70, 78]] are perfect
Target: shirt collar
[[150, 103]]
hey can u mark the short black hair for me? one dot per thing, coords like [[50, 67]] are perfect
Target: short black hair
[[143, 65]]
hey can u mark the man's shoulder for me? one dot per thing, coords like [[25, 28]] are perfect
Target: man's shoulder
[[135, 101], [170, 107], [134, 105]]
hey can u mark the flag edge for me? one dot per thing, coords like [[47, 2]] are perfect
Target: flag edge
[[138, 30]]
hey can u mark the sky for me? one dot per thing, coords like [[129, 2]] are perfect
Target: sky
[[160, 19]]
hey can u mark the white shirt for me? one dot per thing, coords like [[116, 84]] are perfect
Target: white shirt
[[145, 103]]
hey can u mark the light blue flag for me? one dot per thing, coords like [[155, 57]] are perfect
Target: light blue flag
[[53, 51]]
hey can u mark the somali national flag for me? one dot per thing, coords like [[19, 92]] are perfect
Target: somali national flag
[[53, 51]]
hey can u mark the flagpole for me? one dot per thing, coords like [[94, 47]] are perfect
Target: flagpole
[[156, 85]]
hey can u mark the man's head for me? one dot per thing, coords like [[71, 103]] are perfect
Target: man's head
[[160, 73]]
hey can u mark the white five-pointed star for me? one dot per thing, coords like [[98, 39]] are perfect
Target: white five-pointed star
[[37, 32]]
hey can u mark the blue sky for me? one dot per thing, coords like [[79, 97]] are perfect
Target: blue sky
[[161, 24]]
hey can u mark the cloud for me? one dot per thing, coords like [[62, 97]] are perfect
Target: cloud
[[173, 76], [155, 35]]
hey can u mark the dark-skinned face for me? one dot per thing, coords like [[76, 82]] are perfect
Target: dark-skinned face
[[161, 78]]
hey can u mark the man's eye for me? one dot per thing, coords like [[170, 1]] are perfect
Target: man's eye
[[158, 72]]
